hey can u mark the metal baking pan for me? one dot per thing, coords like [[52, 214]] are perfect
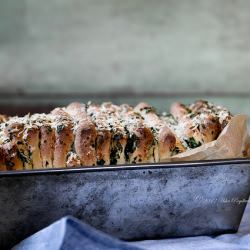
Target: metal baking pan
[[130, 202]]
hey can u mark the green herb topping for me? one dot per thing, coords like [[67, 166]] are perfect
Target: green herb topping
[[192, 143]]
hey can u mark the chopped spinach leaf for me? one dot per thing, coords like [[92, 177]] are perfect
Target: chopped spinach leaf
[[176, 150], [23, 157], [149, 109], [114, 152], [132, 143], [10, 164], [49, 130], [73, 147], [100, 162], [192, 115], [192, 143], [113, 156], [59, 128]]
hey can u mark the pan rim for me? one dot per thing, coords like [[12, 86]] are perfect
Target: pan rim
[[142, 166]]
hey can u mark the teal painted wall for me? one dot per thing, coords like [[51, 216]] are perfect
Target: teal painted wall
[[125, 51]]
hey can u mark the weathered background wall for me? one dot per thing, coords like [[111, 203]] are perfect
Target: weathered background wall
[[53, 52]]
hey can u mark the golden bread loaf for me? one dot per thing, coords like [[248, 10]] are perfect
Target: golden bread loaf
[[106, 134]]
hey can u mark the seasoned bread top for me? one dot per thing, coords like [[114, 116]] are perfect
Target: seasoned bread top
[[106, 134]]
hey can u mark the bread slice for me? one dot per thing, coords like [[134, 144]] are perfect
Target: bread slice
[[104, 134], [118, 133], [12, 158], [64, 138], [3, 118], [2, 159], [85, 134], [196, 125], [205, 107], [13, 136], [140, 142], [167, 143]]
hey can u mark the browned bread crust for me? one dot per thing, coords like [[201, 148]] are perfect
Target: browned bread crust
[[3, 118], [205, 107], [179, 110], [201, 122], [2, 159], [202, 129], [85, 134], [166, 141]]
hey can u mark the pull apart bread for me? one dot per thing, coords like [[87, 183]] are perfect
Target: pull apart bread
[[106, 134]]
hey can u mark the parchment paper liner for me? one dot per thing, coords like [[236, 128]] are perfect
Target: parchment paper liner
[[233, 142]]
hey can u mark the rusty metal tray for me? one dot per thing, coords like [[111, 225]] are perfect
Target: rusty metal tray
[[130, 202]]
